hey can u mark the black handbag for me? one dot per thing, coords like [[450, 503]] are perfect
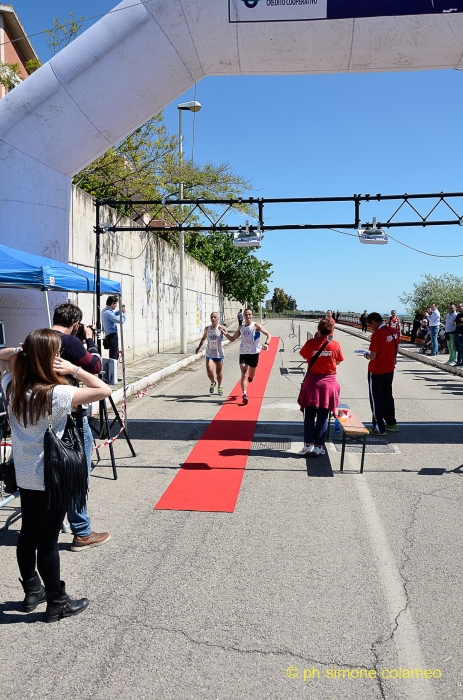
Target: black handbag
[[65, 465]]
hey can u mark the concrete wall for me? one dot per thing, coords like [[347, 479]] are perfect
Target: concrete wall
[[148, 268]]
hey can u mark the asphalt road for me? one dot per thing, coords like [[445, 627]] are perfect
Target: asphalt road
[[316, 574]]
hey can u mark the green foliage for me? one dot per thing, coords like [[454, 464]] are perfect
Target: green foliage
[[442, 290], [133, 169], [32, 65], [243, 276], [62, 33], [282, 302], [10, 75], [292, 304], [146, 166]]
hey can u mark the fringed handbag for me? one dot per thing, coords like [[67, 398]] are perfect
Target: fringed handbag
[[65, 465]]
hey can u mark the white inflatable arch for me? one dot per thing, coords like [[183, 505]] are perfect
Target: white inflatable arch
[[140, 57]]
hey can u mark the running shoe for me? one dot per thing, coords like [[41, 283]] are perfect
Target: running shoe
[[307, 449], [212, 387], [318, 451], [375, 431], [220, 391], [392, 428], [245, 399]]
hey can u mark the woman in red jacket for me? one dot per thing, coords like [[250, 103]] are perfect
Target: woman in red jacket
[[320, 390]]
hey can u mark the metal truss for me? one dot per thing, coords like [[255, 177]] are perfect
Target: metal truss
[[184, 213]]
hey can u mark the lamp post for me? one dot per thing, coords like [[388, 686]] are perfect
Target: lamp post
[[188, 107]]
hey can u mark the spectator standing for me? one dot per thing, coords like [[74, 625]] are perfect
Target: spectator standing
[[394, 321], [364, 322], [459, 334], [416, 325], [382, 356], [34, 382], [434, 325], [111, 319], [320, 390], [240, 318], [66, 322], [450, 334]]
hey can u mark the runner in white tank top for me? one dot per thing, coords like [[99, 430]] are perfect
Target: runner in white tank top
[[250, 348], [214, 352]]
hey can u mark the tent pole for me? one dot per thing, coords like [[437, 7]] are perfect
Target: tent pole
[[124, 390], [47, 306]]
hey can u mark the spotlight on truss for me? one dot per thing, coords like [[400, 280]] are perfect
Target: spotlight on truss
[[372, 234], [246, 238]]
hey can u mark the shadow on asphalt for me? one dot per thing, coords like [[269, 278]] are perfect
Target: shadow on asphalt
[[437, 381], [16, 607]]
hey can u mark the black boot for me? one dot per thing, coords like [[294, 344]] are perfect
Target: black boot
[[35, 593], [60, 605]]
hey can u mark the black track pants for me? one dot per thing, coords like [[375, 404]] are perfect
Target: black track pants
[[381, 400]]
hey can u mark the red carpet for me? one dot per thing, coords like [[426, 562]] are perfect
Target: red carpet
[[210, 479]]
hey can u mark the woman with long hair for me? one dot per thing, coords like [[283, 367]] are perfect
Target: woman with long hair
[[320, 390], [33, 380]]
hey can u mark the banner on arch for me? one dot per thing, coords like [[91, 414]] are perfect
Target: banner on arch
[[306, 10]]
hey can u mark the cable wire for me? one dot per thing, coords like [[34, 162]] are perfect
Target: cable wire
[[82, 20], [417, 250]]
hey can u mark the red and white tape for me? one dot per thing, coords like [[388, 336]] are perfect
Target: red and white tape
[[110, 440]]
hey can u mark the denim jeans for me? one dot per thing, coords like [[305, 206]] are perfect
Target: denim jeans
[[459, 339], [434, 331], [315, 430], [80, 521]]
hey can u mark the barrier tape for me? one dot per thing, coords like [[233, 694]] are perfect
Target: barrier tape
[[113, 439], [142, 393]]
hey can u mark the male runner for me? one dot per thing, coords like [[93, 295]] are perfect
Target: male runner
[[249, 349], [214, 352]]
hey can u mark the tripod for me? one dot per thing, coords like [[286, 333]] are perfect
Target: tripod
[[105, 430]]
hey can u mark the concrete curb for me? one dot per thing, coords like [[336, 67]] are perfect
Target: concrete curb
[[425, 359]]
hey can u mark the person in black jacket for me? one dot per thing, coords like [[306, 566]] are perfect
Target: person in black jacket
[[416, 325], [66, 321], [364, 321]]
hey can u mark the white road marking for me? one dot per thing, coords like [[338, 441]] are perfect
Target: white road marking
[[407, 642]]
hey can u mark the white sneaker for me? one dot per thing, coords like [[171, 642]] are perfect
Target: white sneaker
[[318, 450], [307, 449]]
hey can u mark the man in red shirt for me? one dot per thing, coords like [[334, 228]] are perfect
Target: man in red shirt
[[394, 320], [382, 358]]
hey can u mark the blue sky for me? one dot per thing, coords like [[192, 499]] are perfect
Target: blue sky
[[331, 135]]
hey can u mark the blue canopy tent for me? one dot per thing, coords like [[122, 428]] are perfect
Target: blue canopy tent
[[28, 271]]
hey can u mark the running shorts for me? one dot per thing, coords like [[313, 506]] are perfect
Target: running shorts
[[250, 360], [215, 359]]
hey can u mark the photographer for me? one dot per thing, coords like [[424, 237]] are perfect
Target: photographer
[[67, 322], [111, 318]]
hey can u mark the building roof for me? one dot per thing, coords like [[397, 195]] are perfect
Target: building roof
[[17, 30]]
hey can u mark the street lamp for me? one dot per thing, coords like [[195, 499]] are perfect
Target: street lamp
[[188, 107], [264, 261]]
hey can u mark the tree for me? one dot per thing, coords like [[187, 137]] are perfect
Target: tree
[[292, 304], [32, 65], [279, 300], [62, 33], [146, 166], [242, 275], [442, 290], [10, 75]]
